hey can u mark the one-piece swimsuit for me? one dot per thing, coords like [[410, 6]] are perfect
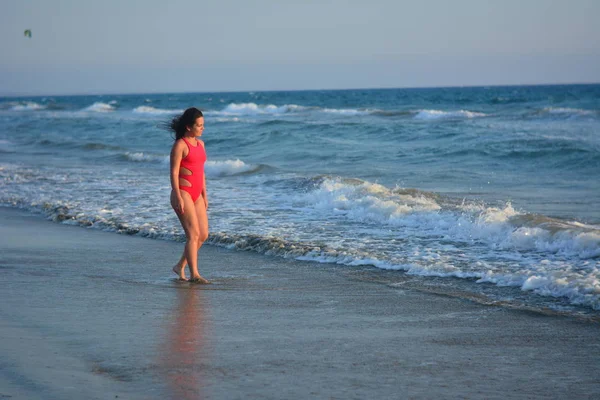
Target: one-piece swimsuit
[[194, 162]]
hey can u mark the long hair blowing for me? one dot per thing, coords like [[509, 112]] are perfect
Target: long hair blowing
[[180, 123]]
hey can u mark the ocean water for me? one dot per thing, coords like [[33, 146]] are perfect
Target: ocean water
[[492, 192]]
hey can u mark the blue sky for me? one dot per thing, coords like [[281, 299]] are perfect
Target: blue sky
[[127, 46]]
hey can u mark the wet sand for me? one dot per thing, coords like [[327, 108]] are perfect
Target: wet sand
[[97, 315]]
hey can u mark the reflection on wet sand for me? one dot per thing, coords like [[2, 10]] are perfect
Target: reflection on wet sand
[[185, 350]]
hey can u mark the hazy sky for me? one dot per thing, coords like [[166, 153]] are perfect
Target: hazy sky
[[123, 46]]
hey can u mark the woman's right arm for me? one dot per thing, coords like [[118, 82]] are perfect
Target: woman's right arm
[[176, 156]]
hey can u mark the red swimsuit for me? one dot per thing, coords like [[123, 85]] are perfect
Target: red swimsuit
[[194, 162]]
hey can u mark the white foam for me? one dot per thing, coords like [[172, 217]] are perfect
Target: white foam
[[255, 109], [555, 279], [271, 109], [545, 278], [227, 119], [439, 114], [154, 111], [349, 111], [364, 201], [227, 168], [28, 106], [496, 226], [565, 111], [99, 107], [144, 157]]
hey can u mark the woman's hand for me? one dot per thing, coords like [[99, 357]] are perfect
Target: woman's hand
[[177, 204], [205, 202], [180, 204]]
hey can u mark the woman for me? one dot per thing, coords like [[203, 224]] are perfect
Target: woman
[[188, 184]]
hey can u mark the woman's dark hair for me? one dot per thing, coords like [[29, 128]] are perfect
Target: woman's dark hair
[[180, 123]]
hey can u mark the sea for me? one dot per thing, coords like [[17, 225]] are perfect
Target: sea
[[488, 193]]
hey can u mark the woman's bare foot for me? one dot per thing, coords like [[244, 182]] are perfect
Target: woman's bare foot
[[199, 279], [180, 271]]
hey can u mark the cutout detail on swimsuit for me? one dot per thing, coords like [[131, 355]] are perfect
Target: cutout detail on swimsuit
[[184, 182], [184, 171]]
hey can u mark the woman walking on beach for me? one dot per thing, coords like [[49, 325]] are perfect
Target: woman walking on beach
[[188, 184]]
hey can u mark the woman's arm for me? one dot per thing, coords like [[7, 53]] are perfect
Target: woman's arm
[[176, 156]]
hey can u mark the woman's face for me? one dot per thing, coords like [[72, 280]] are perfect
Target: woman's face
[[198, 127]]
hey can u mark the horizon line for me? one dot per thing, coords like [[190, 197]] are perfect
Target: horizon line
[[17, 95]]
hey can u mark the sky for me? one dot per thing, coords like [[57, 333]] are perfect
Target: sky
[[149, 46]]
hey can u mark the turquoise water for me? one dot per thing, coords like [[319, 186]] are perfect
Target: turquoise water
[[495, 186]]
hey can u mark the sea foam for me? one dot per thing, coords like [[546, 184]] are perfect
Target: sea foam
[[146, 157], [271, 109], [439, 114], [566, 113], [154, 111], [256, 109], [28, 106], [253, 108], [228, 168], [364, 201], [348, 111], [99, 107], [498, 227]]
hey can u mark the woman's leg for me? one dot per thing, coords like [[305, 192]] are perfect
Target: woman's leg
[[202, 217], [202, 225], [179, 268], [189, 222]]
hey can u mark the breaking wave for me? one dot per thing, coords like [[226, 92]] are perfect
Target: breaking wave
[[99, 107], [439, 114], [27, 106], [568, 112], [154, 111], [255, 109], [145, 157], [230, 168], [501, 228]]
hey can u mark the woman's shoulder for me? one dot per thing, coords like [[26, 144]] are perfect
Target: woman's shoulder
[[179, 145]]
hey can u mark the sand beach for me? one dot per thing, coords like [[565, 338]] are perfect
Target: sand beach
[[96, 315]]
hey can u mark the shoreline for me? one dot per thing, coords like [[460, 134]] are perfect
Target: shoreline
[[487, 293], [94, 314]]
